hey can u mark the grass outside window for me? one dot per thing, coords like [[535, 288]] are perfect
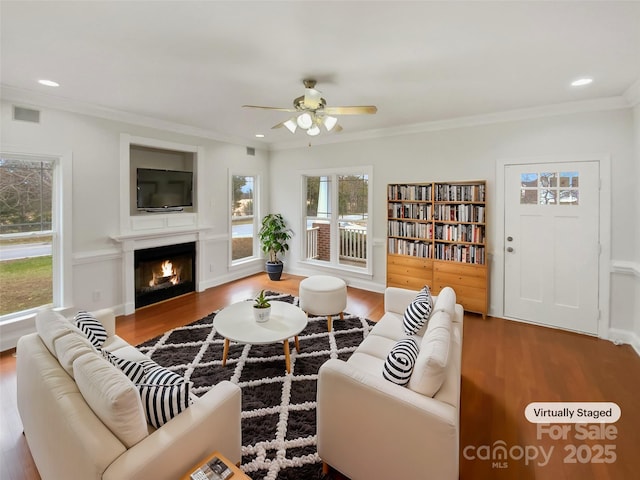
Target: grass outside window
[[25, 283]]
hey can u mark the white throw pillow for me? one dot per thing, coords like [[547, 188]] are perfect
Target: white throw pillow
[[430, 368], [400, 361], [418, 311], [112, 397]]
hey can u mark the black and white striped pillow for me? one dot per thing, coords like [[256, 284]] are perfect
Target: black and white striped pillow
[[163, 402], [418, 311], [91, 327], [400, 361], [133, 370], [158, 375]]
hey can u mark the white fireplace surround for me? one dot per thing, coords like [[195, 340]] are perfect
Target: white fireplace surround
[[139, 241]]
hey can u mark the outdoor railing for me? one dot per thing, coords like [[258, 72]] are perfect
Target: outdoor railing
[[353, 244], [312, 242]]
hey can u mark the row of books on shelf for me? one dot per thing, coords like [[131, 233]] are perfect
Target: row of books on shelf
[[460, 193], [409, 192], [410, 247], [410, 229], [460, 233], [459, 213], [415, 211], [460, 253]]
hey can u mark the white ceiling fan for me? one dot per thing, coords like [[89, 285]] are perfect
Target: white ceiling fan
[[312, 112]]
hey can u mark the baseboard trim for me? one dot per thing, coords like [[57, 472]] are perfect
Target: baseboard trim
[[619, 336]]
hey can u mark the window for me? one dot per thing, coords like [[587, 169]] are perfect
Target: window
[[550, 188], [337, 219], [243, 220], [26, 234]]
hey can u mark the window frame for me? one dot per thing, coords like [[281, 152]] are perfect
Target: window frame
[[256, 217], [61, 228], [334, 262]]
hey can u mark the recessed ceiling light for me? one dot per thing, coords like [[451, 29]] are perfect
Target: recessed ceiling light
[[259, 135], [581, 82], [49, 83]]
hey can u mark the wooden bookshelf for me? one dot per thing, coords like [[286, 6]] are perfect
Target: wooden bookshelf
[[436, 235]]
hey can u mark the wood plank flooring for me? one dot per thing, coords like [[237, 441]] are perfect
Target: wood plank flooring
[[506, 365]]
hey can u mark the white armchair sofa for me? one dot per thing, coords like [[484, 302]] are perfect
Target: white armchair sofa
[[369, 427], [85, 430]]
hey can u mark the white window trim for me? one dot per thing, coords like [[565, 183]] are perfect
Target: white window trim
[[256, 217], [334, 264], [62, 215]]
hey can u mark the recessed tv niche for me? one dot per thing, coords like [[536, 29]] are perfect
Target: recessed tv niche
[[164, 190]]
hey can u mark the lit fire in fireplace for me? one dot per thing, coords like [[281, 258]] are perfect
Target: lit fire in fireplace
[[169, 274]]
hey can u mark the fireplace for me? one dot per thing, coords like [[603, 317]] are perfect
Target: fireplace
[[164, 272]]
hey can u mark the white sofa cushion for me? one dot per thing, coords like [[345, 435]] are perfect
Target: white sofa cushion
[[400, 361], [112, 397], [50, 326], [69, 347], [430, 369], [446, 300], [418, 311]]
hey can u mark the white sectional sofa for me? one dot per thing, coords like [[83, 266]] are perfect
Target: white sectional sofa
[[82, 420], [369, 427]]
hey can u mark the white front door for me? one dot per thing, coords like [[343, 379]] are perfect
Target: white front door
[[552, 244]]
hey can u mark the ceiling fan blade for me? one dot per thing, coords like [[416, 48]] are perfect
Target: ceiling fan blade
[[337, 129], [355, 110], [279, 109], [278, 125]]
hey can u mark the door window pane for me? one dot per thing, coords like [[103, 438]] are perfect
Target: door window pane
[[242, 217], [26, 273], [549, 188]]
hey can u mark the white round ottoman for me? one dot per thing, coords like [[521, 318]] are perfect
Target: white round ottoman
[[323, 295]]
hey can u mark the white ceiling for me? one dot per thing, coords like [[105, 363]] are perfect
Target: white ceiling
[[195, 63]]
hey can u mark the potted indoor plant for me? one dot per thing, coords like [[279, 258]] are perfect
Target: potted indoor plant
[[261, 308], [274, 236]]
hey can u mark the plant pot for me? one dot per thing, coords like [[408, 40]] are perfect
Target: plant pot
[[274, 270], [261, 315]]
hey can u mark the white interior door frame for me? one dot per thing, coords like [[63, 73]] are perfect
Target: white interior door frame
[[497, 286]]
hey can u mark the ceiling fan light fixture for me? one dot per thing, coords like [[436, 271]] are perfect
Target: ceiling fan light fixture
[[291, 125], [313, 131], [304, 120], [329, 122]]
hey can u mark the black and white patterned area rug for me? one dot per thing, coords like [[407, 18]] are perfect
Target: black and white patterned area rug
[[278, 409]]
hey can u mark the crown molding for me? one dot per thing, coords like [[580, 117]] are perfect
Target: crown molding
[[30, 98], [632, 94], [36, 99], [598, 104]]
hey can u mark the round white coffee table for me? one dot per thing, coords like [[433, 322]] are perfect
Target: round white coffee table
[[236, 323]]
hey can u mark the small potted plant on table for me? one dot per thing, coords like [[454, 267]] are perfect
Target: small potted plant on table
[[261, 308], [274, 236]]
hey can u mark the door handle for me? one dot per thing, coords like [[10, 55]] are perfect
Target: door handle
[[509, 249]]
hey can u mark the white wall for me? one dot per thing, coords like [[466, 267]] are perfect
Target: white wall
[[94, 144], [453, 154], [471, 153]]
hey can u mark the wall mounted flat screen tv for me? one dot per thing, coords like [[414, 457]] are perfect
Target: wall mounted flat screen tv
[[157, 189]]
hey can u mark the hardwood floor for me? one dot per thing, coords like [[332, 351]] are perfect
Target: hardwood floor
[[506, 365]]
